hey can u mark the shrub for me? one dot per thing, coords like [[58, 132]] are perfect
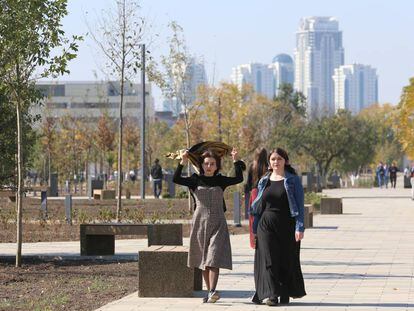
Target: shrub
[[182, 194], [314, 199]]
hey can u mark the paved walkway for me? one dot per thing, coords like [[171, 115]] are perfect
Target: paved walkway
[[361, 260]]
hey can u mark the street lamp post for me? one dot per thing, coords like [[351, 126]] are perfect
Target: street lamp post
[[143, 122]]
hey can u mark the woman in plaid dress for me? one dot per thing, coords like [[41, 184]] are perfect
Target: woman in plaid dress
[[210, 247]]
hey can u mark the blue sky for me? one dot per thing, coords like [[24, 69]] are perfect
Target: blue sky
[[230, 32]]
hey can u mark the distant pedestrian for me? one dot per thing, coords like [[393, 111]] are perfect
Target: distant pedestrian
[[132, 176], [386, 175], [279, 228], [156, 175], [407, 171], [393, 174], [380, 174], [412, 180]]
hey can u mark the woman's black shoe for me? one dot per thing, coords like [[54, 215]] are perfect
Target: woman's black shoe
[[256, 299], [284, 300]]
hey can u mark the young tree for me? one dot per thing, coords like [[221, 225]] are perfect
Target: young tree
[[295, 100], [405, 125], [105, 140], [119, 36], [176, 80], [30, 34], [8, 142], [131, 144], [384, 119], [340, 137], [48, 136]]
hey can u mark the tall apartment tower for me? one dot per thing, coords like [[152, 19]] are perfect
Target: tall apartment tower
[[283, 71], [318, 52], [196, 76], [356, 87], [259, 76]]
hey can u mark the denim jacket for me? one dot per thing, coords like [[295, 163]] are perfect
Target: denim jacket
[[295, 196]]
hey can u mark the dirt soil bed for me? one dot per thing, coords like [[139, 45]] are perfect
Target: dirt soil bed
[[55, 228], [65, 285], [76, 285]]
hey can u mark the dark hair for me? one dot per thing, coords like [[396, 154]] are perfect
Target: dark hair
[[209, 154], [260, 164], [285, 156], [157, 161]]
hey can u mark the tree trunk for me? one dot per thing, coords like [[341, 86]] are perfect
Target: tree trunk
[[119, 188], [49, 168], [119, 201], [220, 133], [19, 204], [187, 136]]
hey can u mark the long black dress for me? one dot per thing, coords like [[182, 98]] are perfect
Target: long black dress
[[277, 269]]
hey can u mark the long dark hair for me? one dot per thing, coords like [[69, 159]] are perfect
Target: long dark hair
[[285, 156], [209, 154], [260, 164]]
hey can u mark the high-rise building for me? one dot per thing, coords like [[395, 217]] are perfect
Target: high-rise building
[[195, 74], [87, 100], [259, 76], [356, 87], [318, 52], [265, 79], [283, 71]]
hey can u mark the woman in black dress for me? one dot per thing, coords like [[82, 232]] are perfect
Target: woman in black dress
[[279, 229]]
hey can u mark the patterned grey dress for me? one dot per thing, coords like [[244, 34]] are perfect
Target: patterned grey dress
[[209, 237]]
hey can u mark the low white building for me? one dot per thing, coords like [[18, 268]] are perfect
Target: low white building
[[88, 100]]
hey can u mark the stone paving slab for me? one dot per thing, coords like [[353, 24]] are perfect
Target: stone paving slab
[[361, 260]]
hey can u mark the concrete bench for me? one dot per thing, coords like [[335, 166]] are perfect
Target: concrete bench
[[99, 239], [11, 195], [308, 216], [163, 272], [331, 206], [101, 194]]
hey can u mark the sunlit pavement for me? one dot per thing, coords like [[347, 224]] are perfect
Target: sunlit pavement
[[361, 260]]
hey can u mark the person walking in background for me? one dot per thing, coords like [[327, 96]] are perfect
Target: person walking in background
[[210, 247], [156, 175], [380, 174], [393, 174], [412, 180], [257, 169], [279, 228], [386, 175]]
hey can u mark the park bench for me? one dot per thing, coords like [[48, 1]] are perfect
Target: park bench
[[103, 194], [163, 272], [331, 206], [35, 189], [99, 239], [11, 195]]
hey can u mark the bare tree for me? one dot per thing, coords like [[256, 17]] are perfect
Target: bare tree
[[119, 35], [176, 84]]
